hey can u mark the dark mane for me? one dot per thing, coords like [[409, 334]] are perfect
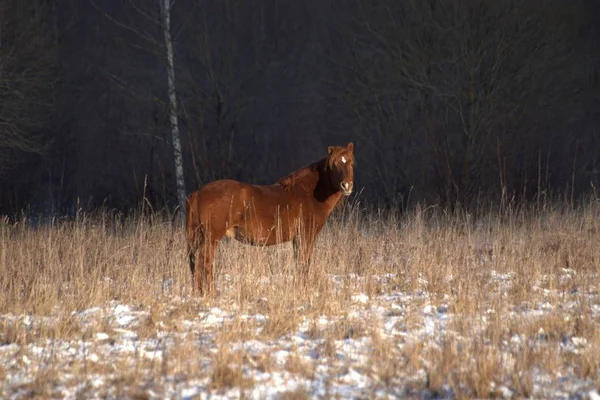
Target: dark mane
[[299, 176]]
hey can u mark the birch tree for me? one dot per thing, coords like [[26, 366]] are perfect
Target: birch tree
[[146, 33], [179, 178]]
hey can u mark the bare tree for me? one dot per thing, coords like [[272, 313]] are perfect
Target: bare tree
[[218, 70], [27, 74], [228, 55], [146, 30], [466, 76]]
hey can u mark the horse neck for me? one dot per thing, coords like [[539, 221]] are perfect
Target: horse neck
[[314, 181], [324, 192]]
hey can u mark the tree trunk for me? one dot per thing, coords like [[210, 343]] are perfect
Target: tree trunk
[[180, 182]]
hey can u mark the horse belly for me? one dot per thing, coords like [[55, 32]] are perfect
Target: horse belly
[[260, 234]]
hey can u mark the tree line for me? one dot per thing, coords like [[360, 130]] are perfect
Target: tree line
[[447, 102]]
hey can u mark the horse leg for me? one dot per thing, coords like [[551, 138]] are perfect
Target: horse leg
[[209, 266], [303, 249], [192, 257], [196, 244], [296, 245], [198, 276], [204, 276]]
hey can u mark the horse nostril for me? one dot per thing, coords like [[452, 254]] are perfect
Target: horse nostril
[[346, 186]]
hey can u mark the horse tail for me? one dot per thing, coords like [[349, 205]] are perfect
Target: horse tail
[[193, 224]]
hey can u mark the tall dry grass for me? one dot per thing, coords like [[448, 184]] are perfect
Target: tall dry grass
[[495, 275]]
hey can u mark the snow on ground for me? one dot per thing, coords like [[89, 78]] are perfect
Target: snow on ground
[[93, 365]]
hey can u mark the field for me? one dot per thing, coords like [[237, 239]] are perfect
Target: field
[[423, 305]]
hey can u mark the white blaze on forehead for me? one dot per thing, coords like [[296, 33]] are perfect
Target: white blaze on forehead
[[344, 159]]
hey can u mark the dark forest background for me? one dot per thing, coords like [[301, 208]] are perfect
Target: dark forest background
[[447, 102]]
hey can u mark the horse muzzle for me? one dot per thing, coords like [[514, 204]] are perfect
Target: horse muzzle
[[346, 188]]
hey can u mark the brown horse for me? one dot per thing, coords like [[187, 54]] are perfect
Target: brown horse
[[295, 208]]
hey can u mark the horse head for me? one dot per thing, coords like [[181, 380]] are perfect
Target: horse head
[[340, 164]]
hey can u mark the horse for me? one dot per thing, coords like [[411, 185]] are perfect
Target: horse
[[294, 208]]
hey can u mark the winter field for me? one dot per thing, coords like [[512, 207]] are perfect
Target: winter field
[[424, 305]]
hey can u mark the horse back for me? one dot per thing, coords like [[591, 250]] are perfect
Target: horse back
[[226, 203], [223, 199]]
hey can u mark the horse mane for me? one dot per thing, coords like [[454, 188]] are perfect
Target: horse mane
[[295, 178]]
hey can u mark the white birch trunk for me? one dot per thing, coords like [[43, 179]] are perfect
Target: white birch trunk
[[166, 19]]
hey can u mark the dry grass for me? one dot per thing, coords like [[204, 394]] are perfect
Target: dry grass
[[227, 371], [521, 293]]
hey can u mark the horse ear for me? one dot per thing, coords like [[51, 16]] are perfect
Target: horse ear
[[350, 146], [329, 150]]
